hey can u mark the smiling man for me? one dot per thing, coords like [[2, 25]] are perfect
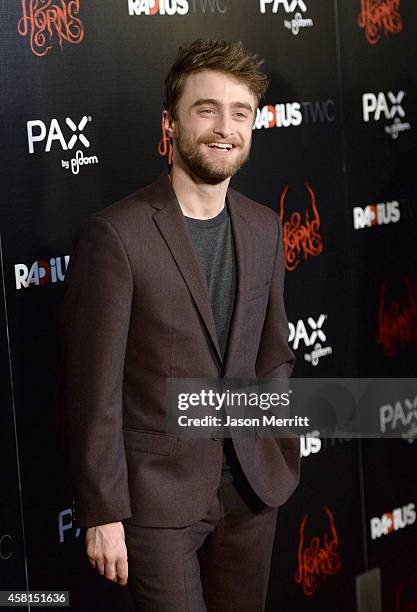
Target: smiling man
[[182, 279], [212, 135]]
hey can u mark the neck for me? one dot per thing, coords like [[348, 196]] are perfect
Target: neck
[[197, 198]]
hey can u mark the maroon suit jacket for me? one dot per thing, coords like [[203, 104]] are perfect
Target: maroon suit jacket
[[136, 311]]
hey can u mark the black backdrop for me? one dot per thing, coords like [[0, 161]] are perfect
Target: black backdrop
[[334, 151]]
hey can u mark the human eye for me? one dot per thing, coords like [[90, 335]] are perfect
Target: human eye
[[207, 111]]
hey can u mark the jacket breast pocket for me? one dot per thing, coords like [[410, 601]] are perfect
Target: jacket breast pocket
[[148, 441]]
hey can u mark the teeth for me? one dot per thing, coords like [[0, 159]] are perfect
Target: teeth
[[220, 145]]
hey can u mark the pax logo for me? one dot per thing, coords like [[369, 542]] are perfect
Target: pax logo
[[294, 114], [312, 335], [47, 21], [297, 23], [319, 558], [388, 106], [64, 136], [376, 214], [379, 18], [175, 7], [66, 525], [41, 272], [389, 522], [295, 7], [402, 415], [289, 6], [38, 131]]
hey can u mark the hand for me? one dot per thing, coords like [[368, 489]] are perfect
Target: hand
[[106, 551]]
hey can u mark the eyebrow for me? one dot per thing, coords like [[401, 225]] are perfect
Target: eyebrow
[[215, 102]]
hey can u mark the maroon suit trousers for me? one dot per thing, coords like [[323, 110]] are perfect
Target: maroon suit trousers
[[220, 563]]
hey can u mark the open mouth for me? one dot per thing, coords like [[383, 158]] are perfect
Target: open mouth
[[221, 147]]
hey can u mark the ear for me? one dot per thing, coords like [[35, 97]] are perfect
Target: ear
[[169, 124]]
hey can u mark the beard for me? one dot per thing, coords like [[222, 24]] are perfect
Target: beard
[[208, 170]]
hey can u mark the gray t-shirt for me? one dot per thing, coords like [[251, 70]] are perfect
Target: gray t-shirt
[[213, 242]]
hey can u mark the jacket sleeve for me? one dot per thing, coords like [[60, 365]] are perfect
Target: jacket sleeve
[[94, 327], [275, 359]]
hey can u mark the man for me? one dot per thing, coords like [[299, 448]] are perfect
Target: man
[[182, 279]]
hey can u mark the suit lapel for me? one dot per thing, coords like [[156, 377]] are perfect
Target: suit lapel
[[172, 225], [241, 240]]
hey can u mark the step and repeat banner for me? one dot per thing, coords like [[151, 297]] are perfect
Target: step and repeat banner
[[334, 153]]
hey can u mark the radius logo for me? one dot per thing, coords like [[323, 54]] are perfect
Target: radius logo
[[293, 114], [64, 136], [41, 272], [376, 214], [155, 7], [386, 106], [399, 518], [175, 7], [310, 444], [295, 9]]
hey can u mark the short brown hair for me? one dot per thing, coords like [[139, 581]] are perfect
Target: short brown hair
[[202, 54]]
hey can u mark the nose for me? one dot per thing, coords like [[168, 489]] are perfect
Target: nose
[[223, 126]]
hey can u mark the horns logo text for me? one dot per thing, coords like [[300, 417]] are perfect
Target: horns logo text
[[397, 322], [318, 559], [302, 237], [379, 18], [44, 21]]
